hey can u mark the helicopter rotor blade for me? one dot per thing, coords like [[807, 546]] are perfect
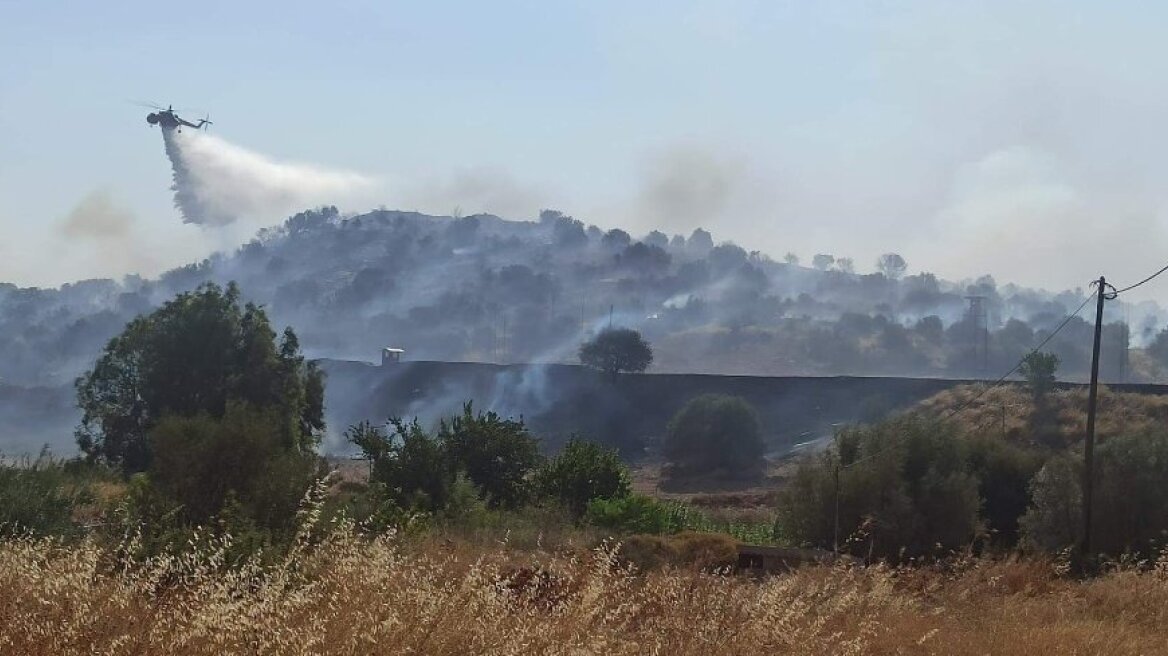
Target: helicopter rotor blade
[[143, 103]]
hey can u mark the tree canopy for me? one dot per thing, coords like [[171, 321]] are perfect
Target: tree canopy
[[715, 434], [615, 350], [195, 356]]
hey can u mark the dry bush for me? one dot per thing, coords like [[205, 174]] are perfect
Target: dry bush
[[354, 596], [685, 550], [1119, 412]]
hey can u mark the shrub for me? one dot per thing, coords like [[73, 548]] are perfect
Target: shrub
[[410, 466], [715, 434], [39, 497], [583, 471], [904, 488], [1130, 510], [634, 514], [496, 454], [702, 551]]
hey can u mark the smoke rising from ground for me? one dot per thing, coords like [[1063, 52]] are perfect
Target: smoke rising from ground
[[217, 183]]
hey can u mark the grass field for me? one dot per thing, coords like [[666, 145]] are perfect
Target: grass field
[[350, 595]]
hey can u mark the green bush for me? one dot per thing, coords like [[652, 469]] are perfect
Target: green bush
[[583, 471], [410, 466], [498, 455], [1130, 510], [718, 435], [39, 497], [636, 513], [905, 489], [418, 470]]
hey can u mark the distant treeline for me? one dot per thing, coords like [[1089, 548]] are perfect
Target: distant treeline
[[480, 288]]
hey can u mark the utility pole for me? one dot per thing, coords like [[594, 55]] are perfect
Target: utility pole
[[610, 317], [1089, 445]]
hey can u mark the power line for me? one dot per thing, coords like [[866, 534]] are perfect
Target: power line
[[995, 384], [1117, 292]]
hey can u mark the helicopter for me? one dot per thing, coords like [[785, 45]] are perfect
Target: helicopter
[[169, 120]]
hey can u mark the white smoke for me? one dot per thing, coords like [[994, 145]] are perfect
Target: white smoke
[[218, 183]]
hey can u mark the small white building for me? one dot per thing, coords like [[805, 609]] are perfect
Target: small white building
[[391, 355]]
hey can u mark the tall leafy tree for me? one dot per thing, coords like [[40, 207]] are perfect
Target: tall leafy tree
[[195, 356], [615, 350]]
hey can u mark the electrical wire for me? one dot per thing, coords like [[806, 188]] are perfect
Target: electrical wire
[[997, 382], [1117, 292]]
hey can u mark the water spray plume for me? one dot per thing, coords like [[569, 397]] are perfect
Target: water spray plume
[[217, 183]]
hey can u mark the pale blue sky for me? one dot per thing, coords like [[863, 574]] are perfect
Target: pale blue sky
[[972, 137]]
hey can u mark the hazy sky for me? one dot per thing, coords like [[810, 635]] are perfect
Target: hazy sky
[[1022, 139]]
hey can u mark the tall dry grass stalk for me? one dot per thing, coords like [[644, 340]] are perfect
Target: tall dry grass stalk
[[350, 595]]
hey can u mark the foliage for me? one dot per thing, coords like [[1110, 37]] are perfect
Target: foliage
[[615, 350], [39, 497], [195, 356], [203, 466], [904, 488], [418, 470], [635, 513], [1003, 471], [409, 466], [1130, 509], [715, 434], [583, 471], [1038, 368], [497, 455]]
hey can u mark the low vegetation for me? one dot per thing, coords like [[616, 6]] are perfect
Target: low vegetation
[[349, 595], [205, 523]]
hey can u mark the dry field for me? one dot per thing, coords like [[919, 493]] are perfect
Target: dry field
[[350, 595]]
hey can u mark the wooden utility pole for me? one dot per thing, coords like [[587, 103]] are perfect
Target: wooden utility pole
[[1089, 444]]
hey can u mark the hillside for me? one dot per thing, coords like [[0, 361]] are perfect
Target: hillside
[[485, 289], [1009, 411]]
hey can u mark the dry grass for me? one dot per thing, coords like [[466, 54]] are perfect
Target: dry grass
[[354, 596], [1119, 412]]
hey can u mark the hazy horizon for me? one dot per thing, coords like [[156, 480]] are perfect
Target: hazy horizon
[[1019, 141]]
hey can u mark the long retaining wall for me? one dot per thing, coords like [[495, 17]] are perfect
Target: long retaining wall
[[556, 400]]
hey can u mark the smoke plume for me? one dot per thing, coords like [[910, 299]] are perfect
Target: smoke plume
[[217, 183]]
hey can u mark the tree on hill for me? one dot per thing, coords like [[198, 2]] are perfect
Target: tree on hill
[[892, 265], [822, 261], [196, 356], [715, 434], [615, 350]]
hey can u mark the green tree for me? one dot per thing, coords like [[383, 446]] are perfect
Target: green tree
[[897, 488], [498, 455], [583, 471], [410, 466], [1038, 368], [196, 355], [1130, 504], [615, 350], [203, 464], [715, 434]]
